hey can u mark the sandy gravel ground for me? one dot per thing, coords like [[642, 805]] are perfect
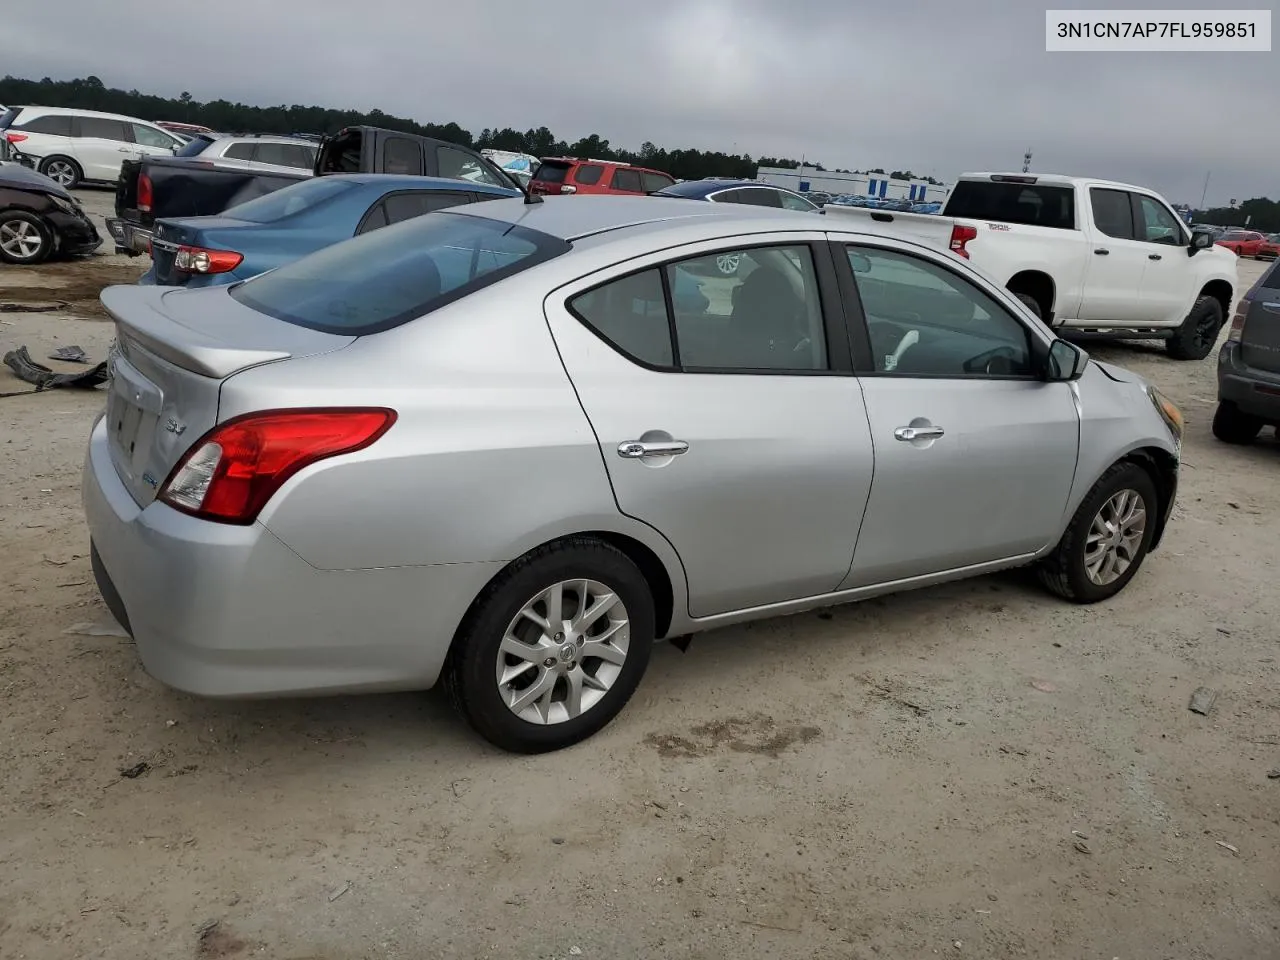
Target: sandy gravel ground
[[971, 771]]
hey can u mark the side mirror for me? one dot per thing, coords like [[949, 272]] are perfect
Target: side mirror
[[1065, 362], [1200, 240]]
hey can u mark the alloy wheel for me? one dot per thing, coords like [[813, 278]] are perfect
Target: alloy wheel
[[563, 652], [1115, 537], [20, 239], [61, 172]]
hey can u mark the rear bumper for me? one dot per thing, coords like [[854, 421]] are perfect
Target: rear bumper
[[228, 611], [1255, 392], [130, 238]]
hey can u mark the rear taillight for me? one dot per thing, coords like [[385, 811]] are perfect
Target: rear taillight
[[15, 137], [231, 472], [144, 193], [1237, 319], [200, 260], [961, 234], [565, 188]]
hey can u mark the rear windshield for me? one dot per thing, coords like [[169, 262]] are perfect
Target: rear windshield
[[289, 201], [1032, 204], [382, 279], [552, 172], [8, 116], [195, 146]]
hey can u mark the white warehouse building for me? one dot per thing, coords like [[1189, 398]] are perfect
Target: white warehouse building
[[806, 179]]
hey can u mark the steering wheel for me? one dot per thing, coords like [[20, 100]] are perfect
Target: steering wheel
[[1002, 361]]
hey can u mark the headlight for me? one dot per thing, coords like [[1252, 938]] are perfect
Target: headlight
[[67, 206], [1169, 413]]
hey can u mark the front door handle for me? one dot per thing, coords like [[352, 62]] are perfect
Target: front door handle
[[1102, 251], [639, 449], [907, 434], [1153, 256]]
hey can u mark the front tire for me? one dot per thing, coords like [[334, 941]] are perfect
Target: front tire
[[1195, 338], [553, 649], [24, 238], [63, 171], [1107, 539], [1230, 425]]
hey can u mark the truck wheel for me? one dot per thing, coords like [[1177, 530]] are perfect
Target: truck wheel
[[1030, 303], [1199, 332], [1230, 425], [63, 171]]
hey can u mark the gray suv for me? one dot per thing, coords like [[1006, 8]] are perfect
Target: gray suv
[[1249, 364], [253, 152]]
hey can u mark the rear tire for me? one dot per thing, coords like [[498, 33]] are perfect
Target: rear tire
[[1066, 571], [1232, 426], [63, 171], [604, 672], [1196, 337], [1031, 303]]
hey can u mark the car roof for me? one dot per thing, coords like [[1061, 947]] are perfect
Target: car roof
[[574, 218], [257, 138], [75, 111]]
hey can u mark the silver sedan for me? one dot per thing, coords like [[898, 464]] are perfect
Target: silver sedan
[[511, 445]]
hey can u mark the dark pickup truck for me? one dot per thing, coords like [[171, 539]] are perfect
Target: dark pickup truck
[[153, 188]]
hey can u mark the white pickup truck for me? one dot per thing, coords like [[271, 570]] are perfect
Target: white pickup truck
[[1101, 258]]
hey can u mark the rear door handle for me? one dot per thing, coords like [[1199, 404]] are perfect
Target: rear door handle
[[907, 434], [1153, 256], [1102, 251], [639, 449]]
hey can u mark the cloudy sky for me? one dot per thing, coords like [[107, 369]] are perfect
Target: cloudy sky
[[935, 86]]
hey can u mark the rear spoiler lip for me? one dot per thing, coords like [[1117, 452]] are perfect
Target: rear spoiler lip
[[136, 311]]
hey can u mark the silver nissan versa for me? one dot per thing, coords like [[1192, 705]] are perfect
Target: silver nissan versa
[[491, 445]]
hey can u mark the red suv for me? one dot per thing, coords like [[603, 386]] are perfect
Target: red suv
[[570, 175]]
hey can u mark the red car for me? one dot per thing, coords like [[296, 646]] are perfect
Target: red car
[[1243, 243], [559, 175], [1270, 248]]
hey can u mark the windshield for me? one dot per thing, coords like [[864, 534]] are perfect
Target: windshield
[[289, 201], [193, 147], [387, 277]]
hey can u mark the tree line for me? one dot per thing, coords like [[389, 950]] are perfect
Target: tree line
[[90, 93], [1262, 214]]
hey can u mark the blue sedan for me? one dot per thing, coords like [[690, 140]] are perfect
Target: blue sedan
[[290, 223]]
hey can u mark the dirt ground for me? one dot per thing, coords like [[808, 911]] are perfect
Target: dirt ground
[[972, 771]]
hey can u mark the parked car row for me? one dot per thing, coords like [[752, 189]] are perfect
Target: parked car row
[[1251, 243]]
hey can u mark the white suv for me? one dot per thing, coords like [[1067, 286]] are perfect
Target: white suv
[[73, 145], [253, 151]]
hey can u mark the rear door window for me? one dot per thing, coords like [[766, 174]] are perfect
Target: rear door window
[[1112, 213], [104, 128], [388, 277], [627, 181], [240, 151], [58, 126], [588, 174], [400, 155], [1031, 204]]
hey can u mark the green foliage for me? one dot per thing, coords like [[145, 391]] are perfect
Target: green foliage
[[1263, 215]]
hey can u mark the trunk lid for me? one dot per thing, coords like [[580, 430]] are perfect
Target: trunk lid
[[170, 234], [173, 351]]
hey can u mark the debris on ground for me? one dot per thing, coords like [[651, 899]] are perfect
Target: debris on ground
[[26, 369], [134, 772], [32, 306], [70, 354], [1044, 686], [1082, 847], [1202, 700], [1227, 846], [338, 891], [1273, 774]]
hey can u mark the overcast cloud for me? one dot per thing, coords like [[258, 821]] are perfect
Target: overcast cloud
[[936, 86]]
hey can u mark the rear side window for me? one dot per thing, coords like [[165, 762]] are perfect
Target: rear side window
[[588, 174], [551, 173], [289, 201], [239, 151], [1031, 204], [388, 277], [286, 155], [58, 126], [655, 181], [627, 180], [1112, 212], [104, 129], [402, 155]]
